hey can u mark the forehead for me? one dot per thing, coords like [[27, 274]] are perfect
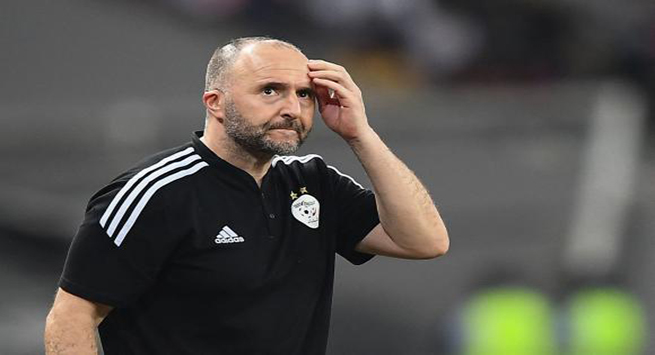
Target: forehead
[[265, 62]]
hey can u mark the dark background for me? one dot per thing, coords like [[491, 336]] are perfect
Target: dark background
[[529, 121]]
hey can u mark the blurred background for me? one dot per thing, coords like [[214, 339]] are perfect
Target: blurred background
[[530, 121]]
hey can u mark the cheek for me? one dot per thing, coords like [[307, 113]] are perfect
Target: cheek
[[257, 112], [308, 112], [308, 119]]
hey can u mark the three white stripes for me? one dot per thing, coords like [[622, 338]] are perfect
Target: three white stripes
[[136, 178], [157, 170], [144, 200]]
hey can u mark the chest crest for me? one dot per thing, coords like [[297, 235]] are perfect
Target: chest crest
[[305, 208]]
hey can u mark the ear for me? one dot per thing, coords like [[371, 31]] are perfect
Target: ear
[[214, 102]]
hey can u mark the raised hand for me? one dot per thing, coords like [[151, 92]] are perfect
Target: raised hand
[[340, 101]]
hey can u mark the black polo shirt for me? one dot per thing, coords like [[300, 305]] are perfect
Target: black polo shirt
[[197, 259]]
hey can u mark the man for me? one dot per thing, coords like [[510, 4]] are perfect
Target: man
[[223, 247]]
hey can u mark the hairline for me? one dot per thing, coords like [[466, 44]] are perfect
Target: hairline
[[223, 59]]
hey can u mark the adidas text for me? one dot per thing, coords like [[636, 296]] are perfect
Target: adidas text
[[226, 240]]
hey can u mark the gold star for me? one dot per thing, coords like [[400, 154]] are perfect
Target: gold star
[[293, 195], [303, 190]]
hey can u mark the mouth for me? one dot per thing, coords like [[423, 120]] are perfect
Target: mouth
[[286, 129], [285, 133]]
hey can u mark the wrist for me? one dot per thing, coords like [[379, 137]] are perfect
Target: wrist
[[363, 138]]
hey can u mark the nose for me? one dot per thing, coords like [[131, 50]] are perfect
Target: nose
[[291, 109]]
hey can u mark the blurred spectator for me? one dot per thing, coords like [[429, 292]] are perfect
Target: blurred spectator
[[437, 40], [523, 40]]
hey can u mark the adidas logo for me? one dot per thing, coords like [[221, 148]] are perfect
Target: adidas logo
[[227, 235]]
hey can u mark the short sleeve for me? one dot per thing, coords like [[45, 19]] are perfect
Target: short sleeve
[[119, 248], [356, 215]]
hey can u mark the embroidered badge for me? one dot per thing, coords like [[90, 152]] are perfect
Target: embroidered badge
[[306, 209]]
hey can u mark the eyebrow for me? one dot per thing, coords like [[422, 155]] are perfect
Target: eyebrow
[[280, 85]]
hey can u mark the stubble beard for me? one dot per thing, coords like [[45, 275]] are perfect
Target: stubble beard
[[253, 139]]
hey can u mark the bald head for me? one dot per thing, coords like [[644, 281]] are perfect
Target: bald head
[[223, 59]]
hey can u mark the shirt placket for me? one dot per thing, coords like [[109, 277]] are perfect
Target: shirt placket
[[270, 203]]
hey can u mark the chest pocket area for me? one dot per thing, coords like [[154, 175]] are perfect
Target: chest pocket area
[[230, 265], [223, 258]]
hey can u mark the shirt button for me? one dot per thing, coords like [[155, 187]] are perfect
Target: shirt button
[[271, 216], [271, 237]]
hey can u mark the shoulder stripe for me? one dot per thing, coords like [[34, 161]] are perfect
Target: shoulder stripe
[[346, 176], [137, 177], [288, 159], [151, 191], [142, 185], [291, 158]]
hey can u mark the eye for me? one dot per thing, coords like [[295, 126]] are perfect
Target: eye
[[305, 94], [268, 91]]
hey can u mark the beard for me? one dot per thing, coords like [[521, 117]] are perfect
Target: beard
[[254, 140]]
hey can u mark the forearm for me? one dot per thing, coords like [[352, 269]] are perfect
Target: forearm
[[412, 227], [407, 212], [66, 334], [71, 325]]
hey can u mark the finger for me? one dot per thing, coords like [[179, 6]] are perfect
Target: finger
[[323, 97], [315, 64], [339, 77], [346, 97], [323, 64]]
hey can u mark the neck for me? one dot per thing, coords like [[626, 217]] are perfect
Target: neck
[[254, 164]]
